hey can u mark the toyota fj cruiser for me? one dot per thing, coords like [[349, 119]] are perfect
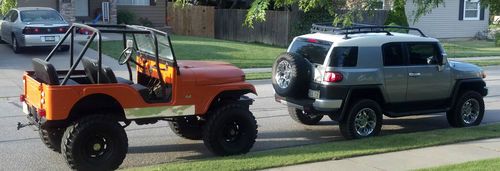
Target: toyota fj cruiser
[[83, 113], [357, 74]]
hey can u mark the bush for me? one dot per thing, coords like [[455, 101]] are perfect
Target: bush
[[395, 29], [126, 17], [145, 22], [398, 14], [7, 5]]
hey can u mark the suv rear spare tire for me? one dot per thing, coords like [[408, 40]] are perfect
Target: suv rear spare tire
[[291, 73]]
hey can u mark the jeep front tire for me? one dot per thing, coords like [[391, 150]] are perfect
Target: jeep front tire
[[468, 111], [95, 142], [290, 75], [304, 118], [230, 130], [363, 120]]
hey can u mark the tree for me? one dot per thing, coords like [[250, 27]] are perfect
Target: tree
[[345, 11], [7, 5]]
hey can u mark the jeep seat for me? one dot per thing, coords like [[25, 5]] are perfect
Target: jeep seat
[[107, 76], [46, 73]]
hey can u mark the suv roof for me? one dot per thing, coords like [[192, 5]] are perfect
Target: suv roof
[[367, 39]]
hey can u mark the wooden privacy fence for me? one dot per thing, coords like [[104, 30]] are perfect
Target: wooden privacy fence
[[274, 31], [191, 20]]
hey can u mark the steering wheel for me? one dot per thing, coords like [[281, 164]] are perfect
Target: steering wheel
[[126, 56]]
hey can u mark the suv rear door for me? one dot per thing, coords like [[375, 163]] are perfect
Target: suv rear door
[[395, 72], [425, 80]]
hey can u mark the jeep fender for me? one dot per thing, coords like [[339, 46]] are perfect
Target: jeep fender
[[475, 84]]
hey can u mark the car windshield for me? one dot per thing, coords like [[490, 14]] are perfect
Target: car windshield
[[40, 16], [313, 50], [145, 44]]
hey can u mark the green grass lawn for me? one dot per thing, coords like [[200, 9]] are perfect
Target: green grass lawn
[[258, 75], [244, 55], [471, 48], [250, 55], [485, 62], [334, 150], [491, 164]]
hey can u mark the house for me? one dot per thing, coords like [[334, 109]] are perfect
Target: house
[[456, 19], [88, 10]]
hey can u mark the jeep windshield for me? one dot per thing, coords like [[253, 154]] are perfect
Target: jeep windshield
[[145, 44], [313, 50]]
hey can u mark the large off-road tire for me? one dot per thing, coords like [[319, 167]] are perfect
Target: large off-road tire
[[291, 73], [303, 117], [51, 138], [363, 120], [468, 111], [230, 130], [189, 127], [95, 142]]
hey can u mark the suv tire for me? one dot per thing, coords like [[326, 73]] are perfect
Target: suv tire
[[188, 127], [468, 111], [304, 118], [290, 75], [51, 138], [363, 120], [96, 142], [231, 130]]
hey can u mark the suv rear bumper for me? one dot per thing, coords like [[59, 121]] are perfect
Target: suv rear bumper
[[311, 105]]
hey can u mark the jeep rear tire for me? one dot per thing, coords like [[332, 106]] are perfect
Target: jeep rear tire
[[51, 138], [230, 130], [290, 76], [363, 120], [304, 118], [468, 111], [189, 127], [96, 142]]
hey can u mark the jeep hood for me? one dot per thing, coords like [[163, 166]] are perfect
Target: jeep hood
[[212, 72], [464, 70]]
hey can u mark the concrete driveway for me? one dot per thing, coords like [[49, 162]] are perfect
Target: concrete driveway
[[152, 144]]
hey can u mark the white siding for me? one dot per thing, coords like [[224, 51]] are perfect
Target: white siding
[[37, 3], [443, 22]]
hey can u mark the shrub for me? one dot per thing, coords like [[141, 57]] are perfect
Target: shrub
[[395, 29], [398, 14], [7, 5], [126, 17], [145, 22]]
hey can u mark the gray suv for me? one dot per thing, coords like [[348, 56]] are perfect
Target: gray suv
[[355, 75]]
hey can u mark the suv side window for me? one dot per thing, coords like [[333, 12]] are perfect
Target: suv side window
[[14, 16], [423, 53], [344, 57], [393, 54]]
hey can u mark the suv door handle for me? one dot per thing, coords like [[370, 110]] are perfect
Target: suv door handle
[[414, 74]]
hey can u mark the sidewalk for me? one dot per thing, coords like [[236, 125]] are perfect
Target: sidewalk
[[411, 159]]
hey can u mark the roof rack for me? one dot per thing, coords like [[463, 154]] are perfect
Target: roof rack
[[357, 29]]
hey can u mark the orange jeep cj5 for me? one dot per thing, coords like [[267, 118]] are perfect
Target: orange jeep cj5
[[82, 113]]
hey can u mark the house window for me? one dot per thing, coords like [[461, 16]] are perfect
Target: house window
[[134, 2], [471, 10]]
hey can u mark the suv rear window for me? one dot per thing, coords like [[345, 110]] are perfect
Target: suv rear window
[[313, 50], [344, 57]]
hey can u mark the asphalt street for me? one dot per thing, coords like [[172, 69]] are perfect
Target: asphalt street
[[152, 144]]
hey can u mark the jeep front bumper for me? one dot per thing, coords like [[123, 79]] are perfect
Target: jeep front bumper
[[311, 105]]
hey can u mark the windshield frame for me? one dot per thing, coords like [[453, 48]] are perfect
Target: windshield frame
[[154, 37]]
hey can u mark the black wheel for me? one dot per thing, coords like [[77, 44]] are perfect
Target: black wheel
[[363, 120], [64, 48], [15, 45], [291, 72], [468, 111], [189, 127], [96, 142], [303, 117], [230, 130], [51, 138]]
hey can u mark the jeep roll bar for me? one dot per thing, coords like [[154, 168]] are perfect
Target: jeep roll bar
[[123, 29], [357, 29]]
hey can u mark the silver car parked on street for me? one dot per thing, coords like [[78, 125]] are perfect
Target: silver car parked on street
[[33, 27]]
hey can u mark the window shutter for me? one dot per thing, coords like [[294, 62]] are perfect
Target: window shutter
[[481, 13], [461, 10]]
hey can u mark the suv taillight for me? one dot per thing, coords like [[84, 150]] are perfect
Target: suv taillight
[[332, 77]]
